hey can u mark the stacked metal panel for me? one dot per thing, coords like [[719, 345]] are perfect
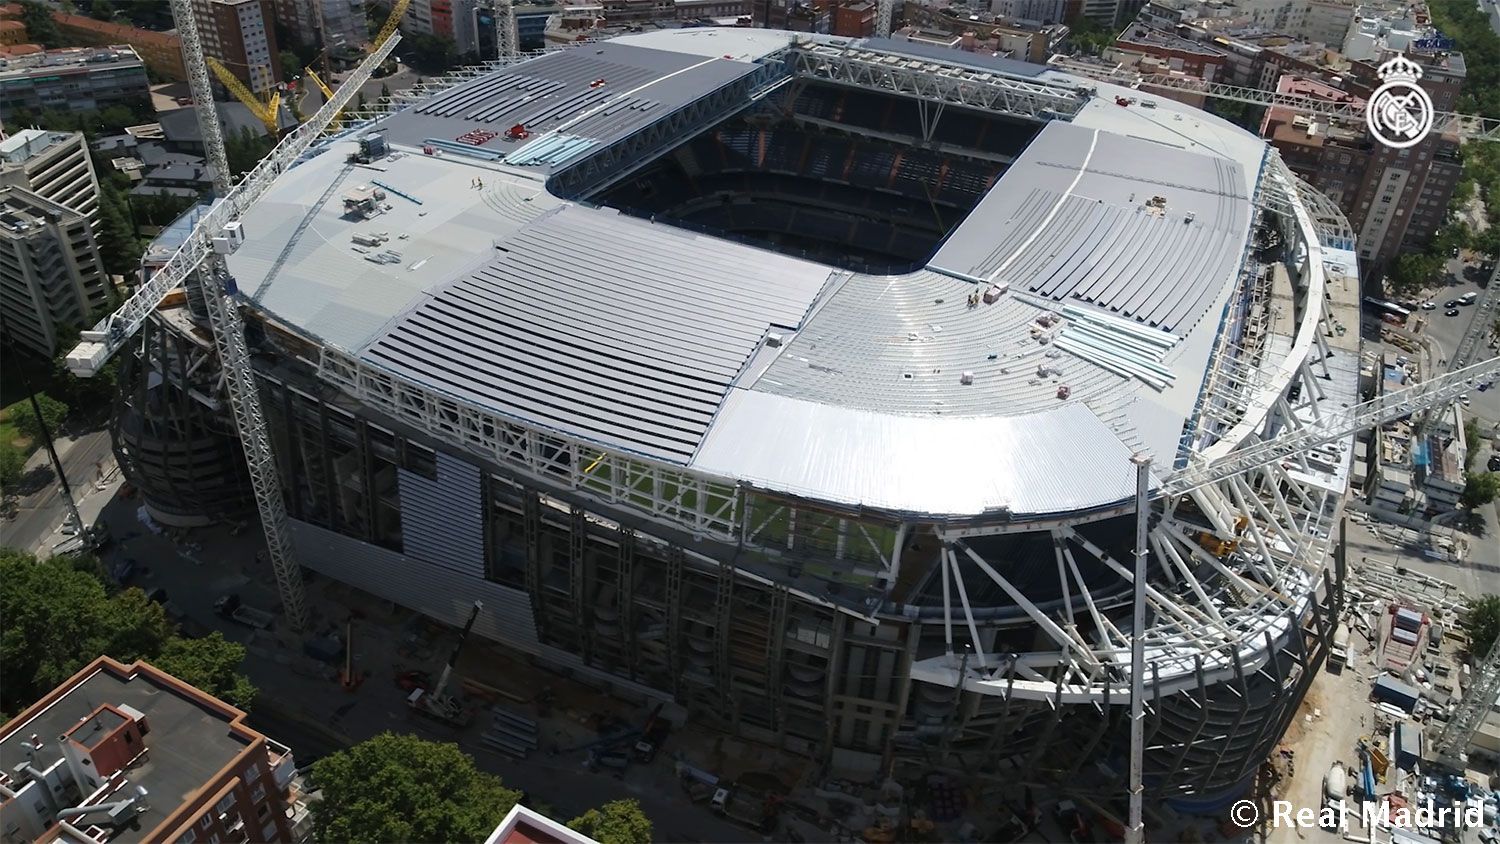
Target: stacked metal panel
[[442, 520]]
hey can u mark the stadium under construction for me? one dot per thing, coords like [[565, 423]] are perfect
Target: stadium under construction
[[797, 380]]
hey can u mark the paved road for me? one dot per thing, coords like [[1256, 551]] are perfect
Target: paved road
[[44, 510], [1446, 331]]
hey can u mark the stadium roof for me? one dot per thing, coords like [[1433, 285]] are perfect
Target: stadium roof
[[887, 392]]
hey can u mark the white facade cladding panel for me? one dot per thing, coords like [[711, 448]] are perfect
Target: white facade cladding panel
[[441, 594], [442, 521], [435, 591]]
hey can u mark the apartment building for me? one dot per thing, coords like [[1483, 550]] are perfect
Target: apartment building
[[51, 278], [241, 34], [161, 51], [128, 753], [53, 165], [74, 79]]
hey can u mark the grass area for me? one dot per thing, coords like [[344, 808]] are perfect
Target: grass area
[[9, 434]]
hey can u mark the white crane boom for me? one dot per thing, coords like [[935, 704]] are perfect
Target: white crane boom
[[1466, 127], [101, 342], [1335, 425]]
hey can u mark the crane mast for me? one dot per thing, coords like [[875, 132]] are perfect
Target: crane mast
[[229, 341]]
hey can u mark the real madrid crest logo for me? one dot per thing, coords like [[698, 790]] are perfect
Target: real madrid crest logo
[[1400, 112]]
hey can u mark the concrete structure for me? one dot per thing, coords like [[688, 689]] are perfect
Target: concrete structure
[[161, 51], [126, 753], [834, 447], [339, 25], [51, 278], [524, 826], [241, 34], [74, 79], [1037, 12], [53, 165]]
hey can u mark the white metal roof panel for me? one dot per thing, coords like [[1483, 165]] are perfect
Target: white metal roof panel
[[604, 326], [589, 96], [1055, 461], [1072, 220], [299, 261]]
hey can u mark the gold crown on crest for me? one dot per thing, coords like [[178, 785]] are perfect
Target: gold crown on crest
[[1400, 69]]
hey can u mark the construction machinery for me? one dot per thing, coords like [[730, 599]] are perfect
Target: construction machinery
[[436, 703], [392, 23], [267, 111]]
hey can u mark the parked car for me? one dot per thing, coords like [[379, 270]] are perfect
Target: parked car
[[1429, 305], [1494, 464], [1451, 312]]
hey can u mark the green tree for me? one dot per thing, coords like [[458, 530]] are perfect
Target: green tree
[[39, 24], [1483, 623], [53, 414], [430, 54], [119, 247], [291, 66], [1412, 273], [616, 822], [1480, 488], [211, 663], [1090, 37], [404, 788], [12, 466], [102, 10], [57, 618]]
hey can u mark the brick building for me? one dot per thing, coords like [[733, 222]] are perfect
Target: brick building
[[127, 753], [161, 51]]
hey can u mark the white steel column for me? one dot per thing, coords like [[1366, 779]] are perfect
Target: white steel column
[[1135, 832]]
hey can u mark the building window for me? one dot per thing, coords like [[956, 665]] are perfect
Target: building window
[[258, 794], [252, 773], [205, 821], [226, 804]]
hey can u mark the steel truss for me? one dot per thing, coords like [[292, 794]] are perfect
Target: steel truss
[[705, 505], [618, 160], [987, 90]]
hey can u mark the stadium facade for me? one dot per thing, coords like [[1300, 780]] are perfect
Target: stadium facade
[[798, 380]]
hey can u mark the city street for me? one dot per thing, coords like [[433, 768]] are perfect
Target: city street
[[1446, 331], [41, 511]]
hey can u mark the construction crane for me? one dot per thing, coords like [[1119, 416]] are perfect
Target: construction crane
[[392, 23], [1466, 127], [1453, 742], [267, 111], [436, 703], [202, 255]]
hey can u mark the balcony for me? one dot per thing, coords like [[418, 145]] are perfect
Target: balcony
[[283, 766]]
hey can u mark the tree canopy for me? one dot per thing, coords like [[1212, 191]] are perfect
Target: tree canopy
[[57, 617], [39, 24], [1483, 624], [1480, 488], [404, 788], [12, 466], [616, 822], [53, 414], [1413, 272]]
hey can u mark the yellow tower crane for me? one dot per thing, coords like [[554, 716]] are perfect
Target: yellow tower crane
[[268, 111], [391, 23]]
